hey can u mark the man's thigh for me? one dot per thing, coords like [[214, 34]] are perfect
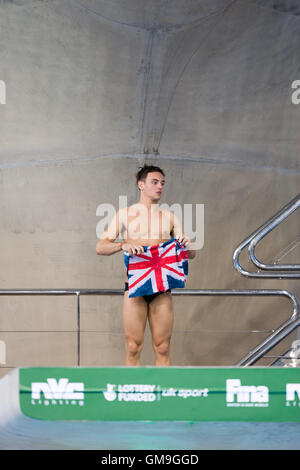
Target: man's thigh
[[134, 317], [161, 317]]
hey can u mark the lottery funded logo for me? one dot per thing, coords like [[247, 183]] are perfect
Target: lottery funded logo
[[148, 392]]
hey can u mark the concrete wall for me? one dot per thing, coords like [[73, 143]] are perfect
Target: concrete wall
[[93, 90]]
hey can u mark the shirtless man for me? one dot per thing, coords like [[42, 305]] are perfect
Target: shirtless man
[[155, 226]]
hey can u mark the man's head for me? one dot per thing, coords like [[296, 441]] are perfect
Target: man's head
[[150, 180]]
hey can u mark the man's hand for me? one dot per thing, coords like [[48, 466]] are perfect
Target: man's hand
[[132, 248], [184, 240]]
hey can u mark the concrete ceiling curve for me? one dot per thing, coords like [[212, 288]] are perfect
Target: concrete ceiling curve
[[200, 79]]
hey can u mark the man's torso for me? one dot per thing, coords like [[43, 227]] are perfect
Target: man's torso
[[146, 227]]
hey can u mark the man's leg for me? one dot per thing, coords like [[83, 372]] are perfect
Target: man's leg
[[161, 324], [135, 311]]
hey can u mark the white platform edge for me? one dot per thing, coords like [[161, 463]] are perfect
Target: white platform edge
[[9, 397]]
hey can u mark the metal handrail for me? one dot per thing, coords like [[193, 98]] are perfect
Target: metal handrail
[[275, 338], [290, 208], [251, 357], [258, 235]]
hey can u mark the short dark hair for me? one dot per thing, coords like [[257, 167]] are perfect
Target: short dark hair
[[144, 170]]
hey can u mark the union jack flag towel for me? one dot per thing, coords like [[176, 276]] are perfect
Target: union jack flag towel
[[159, 268]]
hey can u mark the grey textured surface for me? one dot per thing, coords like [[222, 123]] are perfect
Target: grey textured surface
[[94, 89]]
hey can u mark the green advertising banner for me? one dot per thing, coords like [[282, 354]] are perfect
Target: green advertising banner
[[161, 393]]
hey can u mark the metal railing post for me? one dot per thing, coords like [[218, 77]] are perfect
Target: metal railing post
[[78, 327]]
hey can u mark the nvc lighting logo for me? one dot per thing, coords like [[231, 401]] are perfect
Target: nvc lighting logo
[[61, 392], [292, 394]]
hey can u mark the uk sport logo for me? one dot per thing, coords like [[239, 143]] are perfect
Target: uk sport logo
[[149, 392]]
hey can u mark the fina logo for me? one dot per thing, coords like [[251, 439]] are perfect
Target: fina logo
[[292, 390], [61, 392], [246, 395]]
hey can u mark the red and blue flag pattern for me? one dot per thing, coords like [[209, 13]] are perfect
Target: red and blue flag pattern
[[159, 268]]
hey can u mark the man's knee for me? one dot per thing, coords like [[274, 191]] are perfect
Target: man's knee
[[162, 347], [133, 346]]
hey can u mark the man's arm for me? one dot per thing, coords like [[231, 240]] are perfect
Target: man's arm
[[176, 232], [106, 245]]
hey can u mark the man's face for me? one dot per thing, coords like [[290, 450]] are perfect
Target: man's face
[[153, 185]]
